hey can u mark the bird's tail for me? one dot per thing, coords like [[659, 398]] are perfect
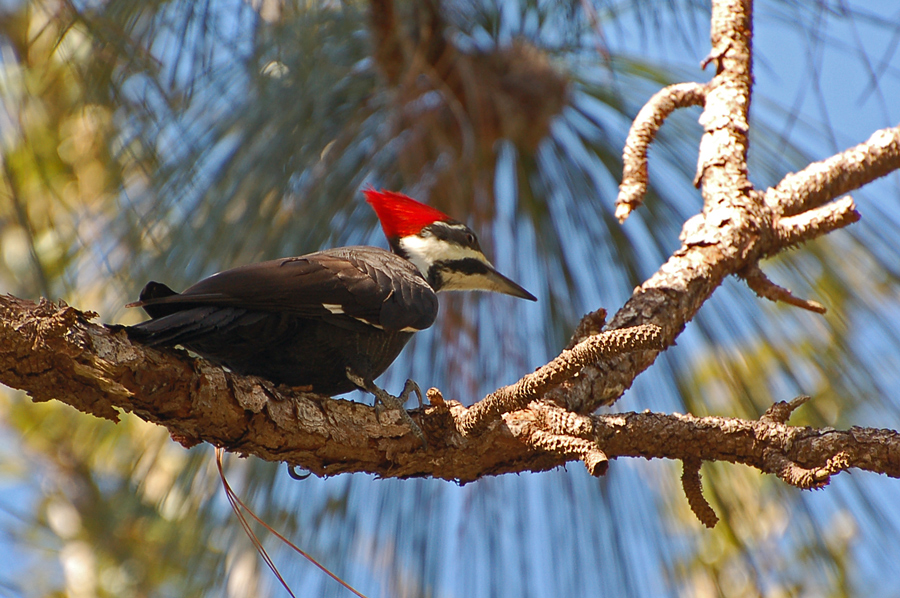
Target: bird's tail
[[152, 300]]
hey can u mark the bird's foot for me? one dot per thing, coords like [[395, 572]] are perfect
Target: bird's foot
[[408, 389], [389, 401]]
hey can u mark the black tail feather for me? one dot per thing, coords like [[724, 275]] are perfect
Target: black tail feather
[[153, 291], [183, 326]]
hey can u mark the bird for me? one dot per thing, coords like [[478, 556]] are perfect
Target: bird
[[330, 321]]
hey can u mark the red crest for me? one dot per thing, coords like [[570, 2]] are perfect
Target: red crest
[[401, 215]]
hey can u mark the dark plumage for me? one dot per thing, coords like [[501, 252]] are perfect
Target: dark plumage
[[297, 321], [325, 318]]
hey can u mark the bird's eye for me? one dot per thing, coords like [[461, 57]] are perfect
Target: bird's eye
[[470, 237], [424, 233]]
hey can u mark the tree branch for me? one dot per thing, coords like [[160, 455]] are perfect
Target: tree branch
[[738, 226], [568, 364], [816, 222], [821, 182], [55, 352], [760, 284], [643, 131], [693, 491]]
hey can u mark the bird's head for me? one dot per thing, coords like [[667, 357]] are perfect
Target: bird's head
[[445, 251]]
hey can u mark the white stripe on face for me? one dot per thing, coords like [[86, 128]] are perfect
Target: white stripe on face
[[425, 251]]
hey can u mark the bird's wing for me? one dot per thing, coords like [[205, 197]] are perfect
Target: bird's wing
[[366, 284]]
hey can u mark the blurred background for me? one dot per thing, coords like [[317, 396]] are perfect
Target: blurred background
[[168, 140]]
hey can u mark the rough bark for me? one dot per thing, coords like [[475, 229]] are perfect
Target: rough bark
[[54, 351]]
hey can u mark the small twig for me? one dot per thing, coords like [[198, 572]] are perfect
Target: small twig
[[643, 131], [693, 490], [780, 412], [568, 435], [436, 399], [568, 447], [786, 469], [591, 324], [760, 284], [567, 364], [793, 230], [806, 478]]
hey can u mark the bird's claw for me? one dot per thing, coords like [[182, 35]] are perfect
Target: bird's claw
[[389, 401], [408, 388]]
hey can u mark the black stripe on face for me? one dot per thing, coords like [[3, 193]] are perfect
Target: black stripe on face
[[468, 266]]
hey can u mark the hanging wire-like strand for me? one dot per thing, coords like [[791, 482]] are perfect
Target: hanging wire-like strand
[[238, 506]]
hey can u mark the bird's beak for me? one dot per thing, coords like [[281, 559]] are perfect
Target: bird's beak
[[498, 283]]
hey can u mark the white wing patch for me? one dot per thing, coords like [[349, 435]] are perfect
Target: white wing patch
[[333, 308], [372, 324], [337, 310]]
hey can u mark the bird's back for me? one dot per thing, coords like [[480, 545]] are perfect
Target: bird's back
[[297, 321]]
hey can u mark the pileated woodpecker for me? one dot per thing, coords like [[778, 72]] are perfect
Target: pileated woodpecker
[[335, 319]]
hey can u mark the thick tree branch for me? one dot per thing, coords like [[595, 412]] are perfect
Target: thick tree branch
[[764, 445], [55, 352]]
